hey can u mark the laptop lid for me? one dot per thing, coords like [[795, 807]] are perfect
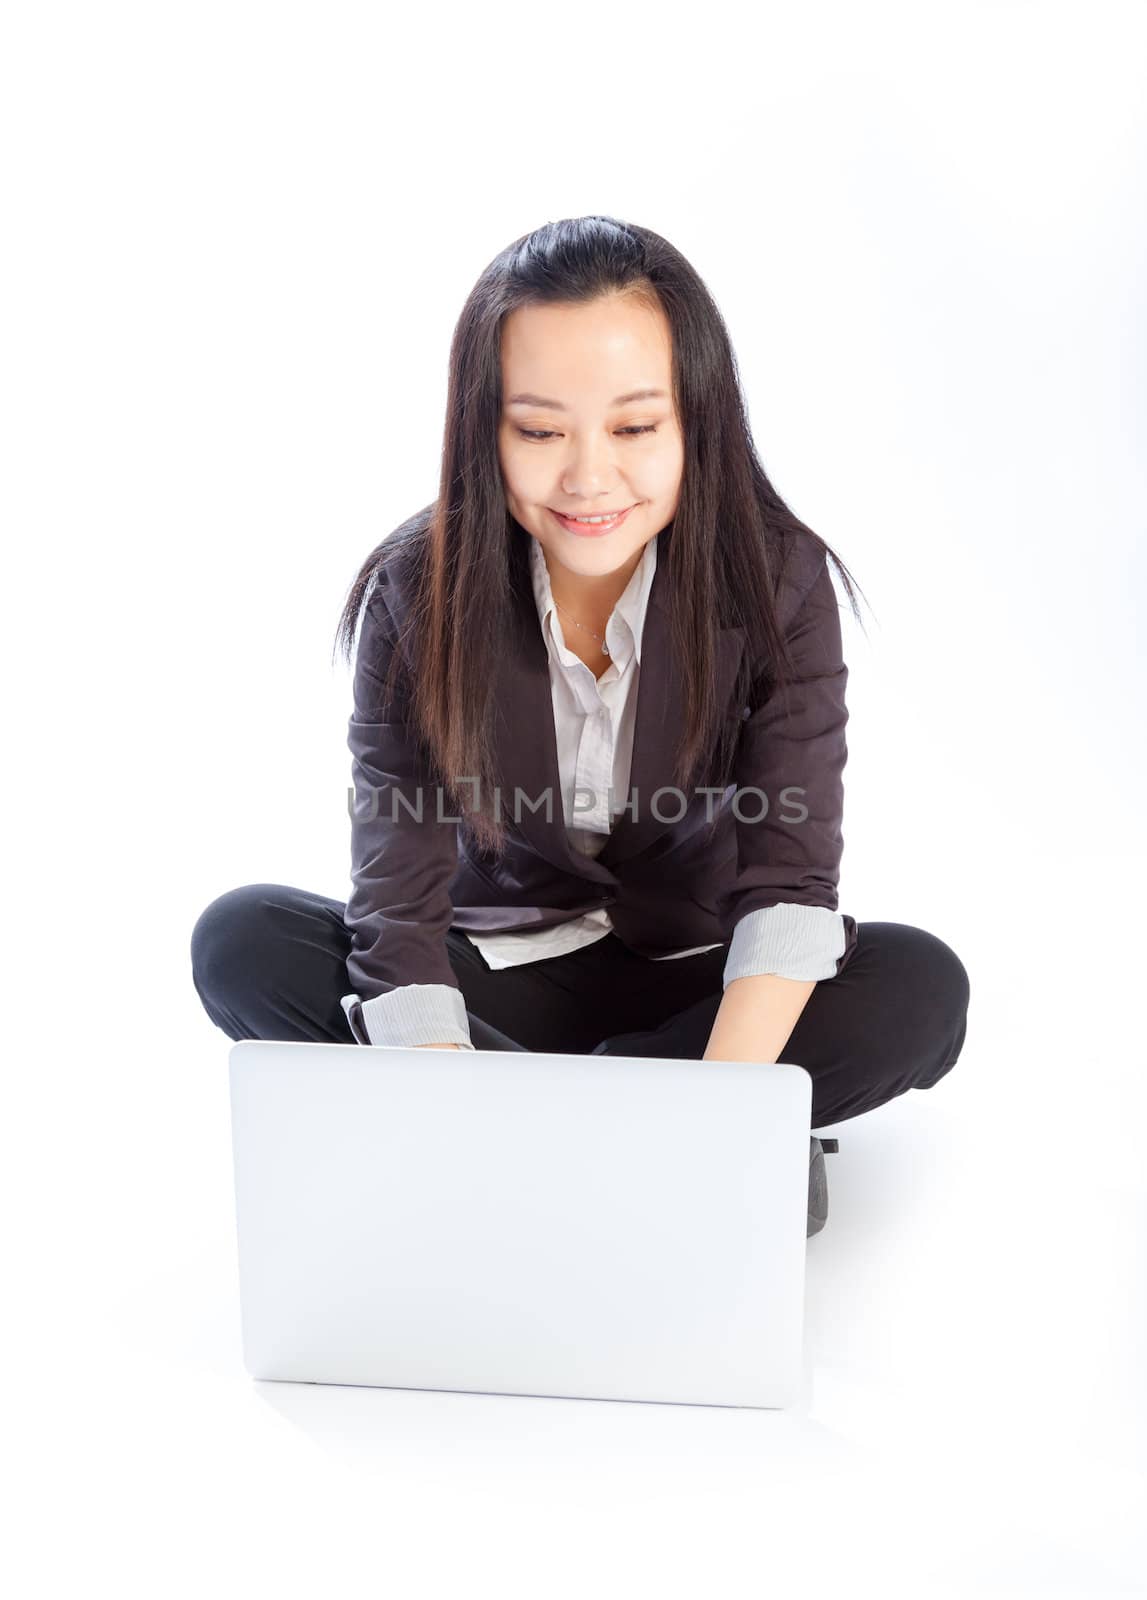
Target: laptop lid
[[597, 1227]]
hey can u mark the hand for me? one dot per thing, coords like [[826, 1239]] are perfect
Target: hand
[[438, 1047]]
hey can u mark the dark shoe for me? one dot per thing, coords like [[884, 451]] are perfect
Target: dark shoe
[[818, 1183]]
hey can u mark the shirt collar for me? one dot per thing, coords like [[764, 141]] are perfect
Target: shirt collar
[[627, 620]]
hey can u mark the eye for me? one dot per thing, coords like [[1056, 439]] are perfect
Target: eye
[[539, 435]]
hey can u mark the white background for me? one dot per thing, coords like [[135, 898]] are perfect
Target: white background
[[236, 240]]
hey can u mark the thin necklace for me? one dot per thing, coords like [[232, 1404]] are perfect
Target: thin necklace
[[584, 629]]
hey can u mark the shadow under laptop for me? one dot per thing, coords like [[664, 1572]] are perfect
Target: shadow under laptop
[[466, 1434]]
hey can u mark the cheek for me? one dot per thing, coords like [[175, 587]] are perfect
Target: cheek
[[527, 474], [663, 474], [511, 455]]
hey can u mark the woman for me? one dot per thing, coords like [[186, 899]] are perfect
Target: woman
[[598, 729]]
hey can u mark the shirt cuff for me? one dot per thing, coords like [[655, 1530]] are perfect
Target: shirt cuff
[[789, 941], [416, 1013]]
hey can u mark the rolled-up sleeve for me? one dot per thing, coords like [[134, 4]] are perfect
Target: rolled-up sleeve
[[418, 1013], [781, 914], [792, 941], [404, 853]]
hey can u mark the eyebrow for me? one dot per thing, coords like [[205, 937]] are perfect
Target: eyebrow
[[556, 405]]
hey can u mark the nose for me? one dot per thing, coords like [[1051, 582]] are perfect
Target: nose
[[589, 471]]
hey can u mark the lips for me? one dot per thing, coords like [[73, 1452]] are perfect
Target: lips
[[582, 530]]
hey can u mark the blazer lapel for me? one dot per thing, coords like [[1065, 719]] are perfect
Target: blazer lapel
[[525, 741], [660, 717]]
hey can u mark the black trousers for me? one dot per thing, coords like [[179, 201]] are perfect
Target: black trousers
[[269, 962]]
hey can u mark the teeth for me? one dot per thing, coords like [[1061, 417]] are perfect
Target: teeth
[[591, 520]]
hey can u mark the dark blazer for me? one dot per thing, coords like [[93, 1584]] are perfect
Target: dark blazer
[[668, 885]]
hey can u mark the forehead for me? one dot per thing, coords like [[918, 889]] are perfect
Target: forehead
[[595, 352]]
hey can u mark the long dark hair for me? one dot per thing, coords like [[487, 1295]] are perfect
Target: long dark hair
[[726, 545]]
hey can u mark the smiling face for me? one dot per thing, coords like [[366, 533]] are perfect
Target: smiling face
[[572, 439]]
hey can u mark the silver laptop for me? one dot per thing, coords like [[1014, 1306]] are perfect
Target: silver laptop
[[511, 1222]]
